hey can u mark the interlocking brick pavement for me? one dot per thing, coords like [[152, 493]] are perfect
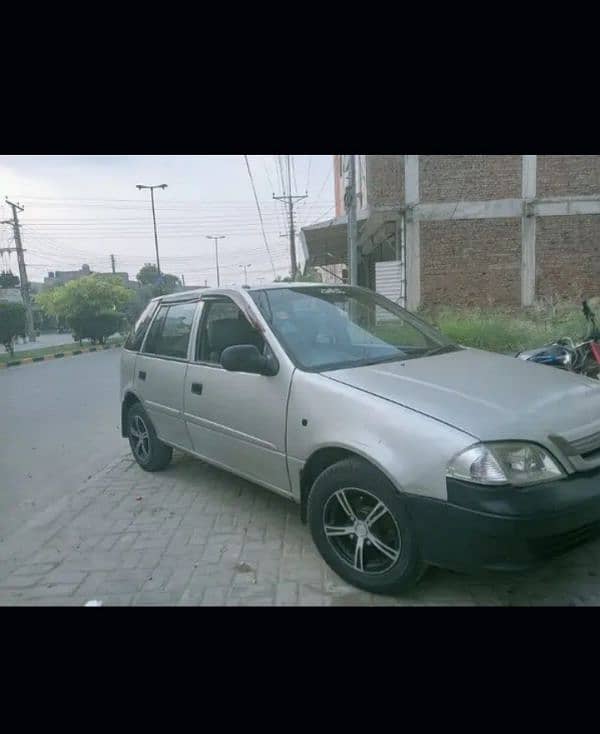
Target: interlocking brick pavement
[[194, 535]]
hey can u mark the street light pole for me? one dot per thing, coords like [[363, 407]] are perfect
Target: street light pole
[[216, 239], [245, 267], [161, 186]]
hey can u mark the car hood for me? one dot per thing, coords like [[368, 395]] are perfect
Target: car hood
[[487, 395]]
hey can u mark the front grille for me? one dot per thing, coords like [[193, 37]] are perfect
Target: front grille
[[558, 544]]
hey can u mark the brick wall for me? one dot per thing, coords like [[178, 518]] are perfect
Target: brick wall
[[568, 175], [568, 256], [471, 263], [385, 180], [469, 177]]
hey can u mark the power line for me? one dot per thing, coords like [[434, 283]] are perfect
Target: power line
[[308, 174], [290, 201], [259, 210]]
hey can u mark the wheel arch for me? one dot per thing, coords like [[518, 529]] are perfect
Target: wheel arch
[[130, 399], [324, 457]]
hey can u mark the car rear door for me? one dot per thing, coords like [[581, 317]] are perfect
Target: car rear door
[[160, 370]]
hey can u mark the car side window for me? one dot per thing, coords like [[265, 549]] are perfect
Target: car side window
[[136, 335], [169, 334], [224, 325]]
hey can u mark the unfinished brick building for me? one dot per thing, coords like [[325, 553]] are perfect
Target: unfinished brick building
[[469, 229]]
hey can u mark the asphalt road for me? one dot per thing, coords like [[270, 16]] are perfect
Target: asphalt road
[[59, 424]]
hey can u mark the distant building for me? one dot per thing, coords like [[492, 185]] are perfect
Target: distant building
[[10, 295], [61, 277]]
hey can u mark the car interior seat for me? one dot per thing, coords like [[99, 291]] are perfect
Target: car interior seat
[[225, 333]]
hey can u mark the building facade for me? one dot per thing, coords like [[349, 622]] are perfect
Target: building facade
[[470, 230]]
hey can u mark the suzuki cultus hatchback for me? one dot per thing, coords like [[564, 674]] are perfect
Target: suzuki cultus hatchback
[[401, 448]]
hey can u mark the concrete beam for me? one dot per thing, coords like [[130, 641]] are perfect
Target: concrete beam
[[494, 209], [566, 206], [412, 232], [528, 228]]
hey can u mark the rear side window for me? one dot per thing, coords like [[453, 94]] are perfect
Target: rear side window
[[169, 334], [137, 334]]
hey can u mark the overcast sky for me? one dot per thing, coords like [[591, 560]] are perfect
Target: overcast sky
[[82, 209]]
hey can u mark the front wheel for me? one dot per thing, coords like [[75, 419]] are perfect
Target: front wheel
[[147, 449], [360, 526]]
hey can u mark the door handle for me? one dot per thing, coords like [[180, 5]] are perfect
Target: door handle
[[142, 375], [197, 388]]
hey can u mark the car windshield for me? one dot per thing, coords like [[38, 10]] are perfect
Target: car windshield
[[328, 328]]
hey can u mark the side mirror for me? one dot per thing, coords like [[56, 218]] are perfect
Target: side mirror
[[247, 358]]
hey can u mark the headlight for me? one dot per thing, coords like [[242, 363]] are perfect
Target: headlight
[[505, 463]]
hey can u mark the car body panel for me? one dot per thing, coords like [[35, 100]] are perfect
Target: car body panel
[[239, 421], [492, 397], [410, 448], [161, 394]]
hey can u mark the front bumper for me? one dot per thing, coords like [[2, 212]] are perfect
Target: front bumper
[[507, 528]]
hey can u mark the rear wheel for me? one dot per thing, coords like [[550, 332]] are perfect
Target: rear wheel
[[147, 449], [361, 528]]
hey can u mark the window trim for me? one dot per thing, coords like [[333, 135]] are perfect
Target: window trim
[[168, 305]]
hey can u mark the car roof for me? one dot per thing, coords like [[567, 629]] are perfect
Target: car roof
[[193, 295]]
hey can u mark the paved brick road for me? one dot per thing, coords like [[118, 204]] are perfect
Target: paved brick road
[[194, 535]]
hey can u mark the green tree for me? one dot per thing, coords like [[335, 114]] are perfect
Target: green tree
[[162, 284], [93, 306], [8, 280], [141, 297], [12, 324]]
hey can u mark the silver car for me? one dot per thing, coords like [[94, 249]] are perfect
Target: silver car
[[402, 449]]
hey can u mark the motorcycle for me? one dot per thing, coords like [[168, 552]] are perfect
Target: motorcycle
[[582, 358]]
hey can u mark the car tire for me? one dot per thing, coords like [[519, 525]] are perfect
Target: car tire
[[360, 526], [147, 449]]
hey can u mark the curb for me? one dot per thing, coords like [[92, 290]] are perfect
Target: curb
[[58, 355]]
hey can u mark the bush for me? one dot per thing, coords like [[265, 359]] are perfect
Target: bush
[[97, 327], [12, 324]]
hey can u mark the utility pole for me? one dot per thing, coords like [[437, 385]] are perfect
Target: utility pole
[[112, 263], [161, 186], [22, 269], [350, 205], [290, 201], [245, 267], [216, 239], [183, 280]]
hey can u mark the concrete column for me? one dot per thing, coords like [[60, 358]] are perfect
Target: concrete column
[[528, 230], [412, 232]]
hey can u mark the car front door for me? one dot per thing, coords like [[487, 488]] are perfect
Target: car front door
[[160, 370], [236, 419]]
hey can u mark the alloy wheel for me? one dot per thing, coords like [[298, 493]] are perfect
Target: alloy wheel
[[140, 438], [362, 530]]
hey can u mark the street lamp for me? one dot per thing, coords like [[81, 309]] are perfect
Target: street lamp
[[216, 239], [245, 267], [161, 186]]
